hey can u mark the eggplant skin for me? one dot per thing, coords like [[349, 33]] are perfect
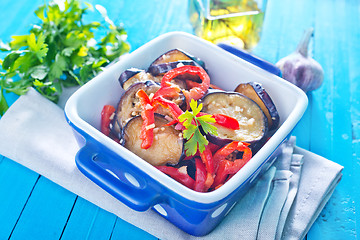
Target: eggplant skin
[[257, 93], [175, 55], [252, 120], [167, 146], [162, 68], [135, 75]]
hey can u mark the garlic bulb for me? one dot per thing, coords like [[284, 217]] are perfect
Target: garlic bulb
[[300, 69]]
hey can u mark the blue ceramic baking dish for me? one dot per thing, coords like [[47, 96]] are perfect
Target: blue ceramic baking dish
[[141, 186]]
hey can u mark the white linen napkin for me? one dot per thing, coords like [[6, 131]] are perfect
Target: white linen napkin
[[284, 202]]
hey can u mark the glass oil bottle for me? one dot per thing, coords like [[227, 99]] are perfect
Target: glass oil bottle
[[236, 22]]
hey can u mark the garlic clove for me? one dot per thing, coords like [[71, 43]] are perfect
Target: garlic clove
[[300, 68]]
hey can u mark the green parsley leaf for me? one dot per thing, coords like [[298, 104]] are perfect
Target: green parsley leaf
[[68, 51], [189, 131], [18, 42], [186, 118], [38, 47], [57, 67], [205, 121], [194, 107], [39, 72], [9, 60], [197, 141], [85, 72], [3, 104], [40, 13], [192, 133]]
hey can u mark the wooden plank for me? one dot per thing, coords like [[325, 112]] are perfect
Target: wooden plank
[[18, 18], [331, 124], [88, 221], [145, 20], [356, 181], [125, 230], [354, 76], [45, 213], [16, 184]]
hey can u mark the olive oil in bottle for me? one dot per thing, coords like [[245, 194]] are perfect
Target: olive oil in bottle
[[237, 22]]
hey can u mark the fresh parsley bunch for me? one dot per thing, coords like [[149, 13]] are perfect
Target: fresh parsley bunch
[[61, 51]]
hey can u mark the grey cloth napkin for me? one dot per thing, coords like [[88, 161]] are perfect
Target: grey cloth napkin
[[283, 203]]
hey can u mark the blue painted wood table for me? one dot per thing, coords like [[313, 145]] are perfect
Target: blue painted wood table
[[32, 207]]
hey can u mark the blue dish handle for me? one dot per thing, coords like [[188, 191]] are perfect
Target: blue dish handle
[[251, 58], [96, 164]]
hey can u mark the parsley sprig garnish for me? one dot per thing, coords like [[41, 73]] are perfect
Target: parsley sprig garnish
[[196, 127], [60, 51]]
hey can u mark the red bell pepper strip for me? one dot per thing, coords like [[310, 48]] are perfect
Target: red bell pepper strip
[[221, 173], [146, 134], [195, 92], [224, 120], [170, 91], [172, 122], [227, 167], [222, 153], [174, 173], [207, 158], [203, 179], [149, 106], [173, 107], [106, 114], [200, 175]]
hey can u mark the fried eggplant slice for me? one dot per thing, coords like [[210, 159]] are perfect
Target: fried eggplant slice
[[258, 94], [252, 121], [167, 146]]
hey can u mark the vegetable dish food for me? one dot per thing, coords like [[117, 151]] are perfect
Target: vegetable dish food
[[174, 118]]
